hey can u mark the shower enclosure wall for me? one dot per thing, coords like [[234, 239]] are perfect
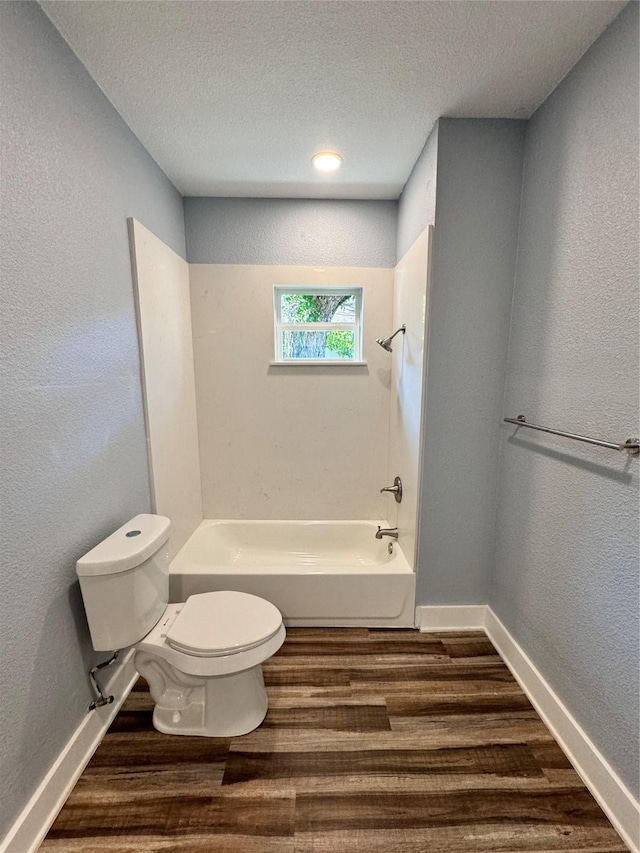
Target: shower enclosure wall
[[272, 474]]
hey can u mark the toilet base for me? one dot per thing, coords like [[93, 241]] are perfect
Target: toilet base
[[213, 706]]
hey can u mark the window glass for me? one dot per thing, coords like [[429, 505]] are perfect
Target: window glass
[[317, 308], [317, 323], [322, 344]]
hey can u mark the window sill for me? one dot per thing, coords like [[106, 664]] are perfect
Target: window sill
[[318, 362]]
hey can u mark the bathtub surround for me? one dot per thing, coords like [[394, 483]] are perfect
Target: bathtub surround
[[411, 306], [258, 423], [566, 545], [411, 294], [75, 464], [477, 202], [299, 232], [163, 310], [287, 442]]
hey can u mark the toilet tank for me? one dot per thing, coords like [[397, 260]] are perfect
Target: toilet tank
[[125, 582]]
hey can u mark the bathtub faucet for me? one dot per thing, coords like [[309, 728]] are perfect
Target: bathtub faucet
[[392, 532]]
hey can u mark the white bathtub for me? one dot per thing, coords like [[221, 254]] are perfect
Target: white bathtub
[[315, 572]]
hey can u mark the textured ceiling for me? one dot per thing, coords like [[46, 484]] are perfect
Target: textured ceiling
[[233, 98]]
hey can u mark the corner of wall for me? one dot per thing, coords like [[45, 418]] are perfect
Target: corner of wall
[[417, 205], [477, 204]]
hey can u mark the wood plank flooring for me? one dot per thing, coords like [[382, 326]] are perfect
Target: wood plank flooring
[[377, 741]]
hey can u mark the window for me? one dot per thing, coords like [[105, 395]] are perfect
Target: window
[[318, 324]]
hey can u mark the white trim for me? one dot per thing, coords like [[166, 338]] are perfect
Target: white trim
[[615, 799], [463, 617], [35, 820], [318, 362], [279, 327]]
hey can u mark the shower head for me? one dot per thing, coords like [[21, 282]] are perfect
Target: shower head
[[385, 343]]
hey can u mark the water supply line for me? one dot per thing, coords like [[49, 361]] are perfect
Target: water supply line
[[100, 699]]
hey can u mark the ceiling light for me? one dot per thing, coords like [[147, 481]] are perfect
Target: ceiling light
[[327, 161]]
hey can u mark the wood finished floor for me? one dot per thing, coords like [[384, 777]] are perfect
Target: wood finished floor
[[377, 741]]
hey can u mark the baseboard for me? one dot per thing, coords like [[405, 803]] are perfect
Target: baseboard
[[36, 818], [615, 799], [464, 617]]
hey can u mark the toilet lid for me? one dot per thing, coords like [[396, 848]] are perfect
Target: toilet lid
[[221, 623]]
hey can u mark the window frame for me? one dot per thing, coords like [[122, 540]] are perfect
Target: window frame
[[280, 326]]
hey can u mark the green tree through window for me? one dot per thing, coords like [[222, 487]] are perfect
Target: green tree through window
[[317, 323], [316, 308]]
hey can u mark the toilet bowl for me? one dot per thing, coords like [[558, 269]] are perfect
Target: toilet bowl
[[203, 663], [202, 659]]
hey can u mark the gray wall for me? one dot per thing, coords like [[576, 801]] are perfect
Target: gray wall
[[417, 207], [291, 232], [74, 462], [474, 250], [566, 574]]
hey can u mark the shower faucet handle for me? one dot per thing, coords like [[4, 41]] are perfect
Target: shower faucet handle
[[396, 489]]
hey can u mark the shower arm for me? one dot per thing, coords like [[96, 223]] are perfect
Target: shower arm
[[386, 342], [402, 329]]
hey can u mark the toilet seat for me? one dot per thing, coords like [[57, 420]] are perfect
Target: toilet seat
[[216, 624]]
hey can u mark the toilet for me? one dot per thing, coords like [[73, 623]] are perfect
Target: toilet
[[202, 659]]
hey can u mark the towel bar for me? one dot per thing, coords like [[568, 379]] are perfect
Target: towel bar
[[631, 445]]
